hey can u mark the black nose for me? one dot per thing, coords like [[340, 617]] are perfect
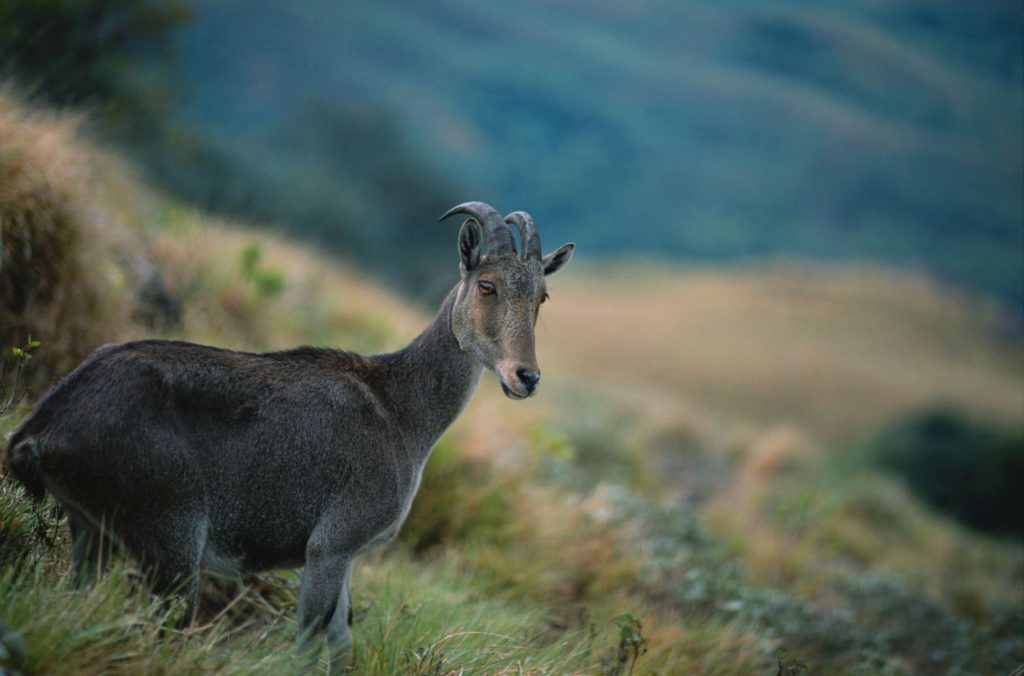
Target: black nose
[[529, 379]]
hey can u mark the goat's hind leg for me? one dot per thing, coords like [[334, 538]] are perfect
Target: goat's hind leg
[[171, 560]]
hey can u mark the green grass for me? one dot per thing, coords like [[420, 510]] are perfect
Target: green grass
[[458, 610], [417, 617], [410, 619]]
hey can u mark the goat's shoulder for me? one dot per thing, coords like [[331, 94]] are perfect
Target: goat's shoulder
[[338, 375]]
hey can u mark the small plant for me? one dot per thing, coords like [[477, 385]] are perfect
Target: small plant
[[262, 282], [632, 644], [12, 391], [789, 667], [796, 511]]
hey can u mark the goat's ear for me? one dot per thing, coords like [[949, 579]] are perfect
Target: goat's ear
[[557, 259], [470, 237]]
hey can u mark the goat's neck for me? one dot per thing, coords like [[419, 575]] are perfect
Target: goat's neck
[[430, 381]]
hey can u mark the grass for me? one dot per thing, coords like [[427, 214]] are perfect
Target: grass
[[652, 511], [425, 619], [412, 619], [470, 607]]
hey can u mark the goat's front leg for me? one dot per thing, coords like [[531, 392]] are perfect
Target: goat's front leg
[[345, 529], [324, 604], [91, 550]]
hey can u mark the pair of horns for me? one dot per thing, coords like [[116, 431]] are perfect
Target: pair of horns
[[499, 236]]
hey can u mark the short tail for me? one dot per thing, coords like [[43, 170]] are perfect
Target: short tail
[[23, 463]]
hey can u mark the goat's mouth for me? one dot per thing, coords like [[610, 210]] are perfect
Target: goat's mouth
[[512, 394]]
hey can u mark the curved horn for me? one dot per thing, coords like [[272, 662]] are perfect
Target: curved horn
[[528, 234], [499, 237]]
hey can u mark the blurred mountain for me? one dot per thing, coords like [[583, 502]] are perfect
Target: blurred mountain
[[879, 130]]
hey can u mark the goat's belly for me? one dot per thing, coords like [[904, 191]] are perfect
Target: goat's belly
[[384, 537], [254, 555], [220, 562], [259, 534], [261, 561]]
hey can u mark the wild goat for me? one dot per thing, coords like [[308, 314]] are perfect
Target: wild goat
[[193, 457]]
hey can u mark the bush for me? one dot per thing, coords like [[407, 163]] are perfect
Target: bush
[[968, 470], [460, 498], [51, 282]]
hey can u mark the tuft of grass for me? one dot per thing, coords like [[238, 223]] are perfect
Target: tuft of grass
[[118, 626], [54, 283], [29, 532], [838, 560], [417, 618]]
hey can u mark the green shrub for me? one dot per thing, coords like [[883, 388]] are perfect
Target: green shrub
[[966, 469], [460, 498], [262, 281]]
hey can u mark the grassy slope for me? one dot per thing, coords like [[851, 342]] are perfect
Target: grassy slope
[[523, 545], [776, 371], [498, 580]]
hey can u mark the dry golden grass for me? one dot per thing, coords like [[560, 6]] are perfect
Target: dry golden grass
[[835, 350], [59, 247]]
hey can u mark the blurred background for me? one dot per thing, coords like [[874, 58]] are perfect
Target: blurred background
[[789, 353], [878, 131]]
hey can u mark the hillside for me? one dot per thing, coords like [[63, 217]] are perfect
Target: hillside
[[835, 350], [886, 132], [678, 507]]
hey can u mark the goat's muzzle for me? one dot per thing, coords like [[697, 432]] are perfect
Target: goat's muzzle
[[521, 384]]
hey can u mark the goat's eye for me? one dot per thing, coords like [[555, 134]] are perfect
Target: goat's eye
[[486, 288], [544, 298]]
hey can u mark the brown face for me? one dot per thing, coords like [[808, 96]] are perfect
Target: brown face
[[494, 318], [500, 294]]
